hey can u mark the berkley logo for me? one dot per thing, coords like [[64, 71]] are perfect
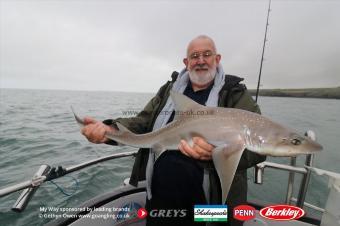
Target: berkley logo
[[282, 212], [244, 212]]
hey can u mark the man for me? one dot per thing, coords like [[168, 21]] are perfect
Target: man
[[181, 179]]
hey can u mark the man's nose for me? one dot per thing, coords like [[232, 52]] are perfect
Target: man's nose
[[201, 59]]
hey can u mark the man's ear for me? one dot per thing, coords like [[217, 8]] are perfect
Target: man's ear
[[185, 61], [218, 58]]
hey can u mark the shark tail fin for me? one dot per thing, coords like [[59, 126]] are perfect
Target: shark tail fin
[[80, 121]]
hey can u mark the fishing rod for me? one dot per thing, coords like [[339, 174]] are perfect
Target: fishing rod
[[48, 173], [263, 48]]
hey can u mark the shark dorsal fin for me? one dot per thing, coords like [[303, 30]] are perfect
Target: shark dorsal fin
[[184, 106]]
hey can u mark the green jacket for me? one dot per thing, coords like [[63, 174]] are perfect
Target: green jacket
[[233, 94]]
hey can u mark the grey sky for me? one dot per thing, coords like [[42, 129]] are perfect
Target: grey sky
[[135, 45]]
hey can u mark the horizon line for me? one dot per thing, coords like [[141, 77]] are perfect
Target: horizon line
[[124, 91]]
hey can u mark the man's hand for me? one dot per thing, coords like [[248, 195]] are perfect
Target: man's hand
[[200, 150], [95, 130]]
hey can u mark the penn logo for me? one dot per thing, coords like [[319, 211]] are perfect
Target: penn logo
[[282, 212], [244, 212]]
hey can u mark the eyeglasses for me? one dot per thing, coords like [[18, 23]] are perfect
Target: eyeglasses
[[206, 55]]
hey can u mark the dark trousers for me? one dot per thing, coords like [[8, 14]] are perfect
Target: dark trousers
[[177, 185]]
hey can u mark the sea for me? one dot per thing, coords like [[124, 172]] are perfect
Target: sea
[[37, 127]]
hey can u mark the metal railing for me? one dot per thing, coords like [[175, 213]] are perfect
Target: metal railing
[[47, 173]]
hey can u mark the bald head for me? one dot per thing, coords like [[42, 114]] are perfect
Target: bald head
[[201, 39], [201, 62]]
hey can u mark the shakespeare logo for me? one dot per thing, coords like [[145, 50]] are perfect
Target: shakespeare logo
[[204, 213]]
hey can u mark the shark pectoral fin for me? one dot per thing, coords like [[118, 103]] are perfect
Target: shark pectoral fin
[[158, 149], [226, 160]]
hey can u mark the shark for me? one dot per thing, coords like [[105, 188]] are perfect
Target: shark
[[230, 130]]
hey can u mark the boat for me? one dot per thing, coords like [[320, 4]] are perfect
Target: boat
[[127, 200]]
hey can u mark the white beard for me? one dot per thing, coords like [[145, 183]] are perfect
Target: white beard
[[202, 79]]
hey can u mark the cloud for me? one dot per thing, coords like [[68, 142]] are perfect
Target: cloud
[[135, 45]]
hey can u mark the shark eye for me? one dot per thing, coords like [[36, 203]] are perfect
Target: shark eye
[[295, 141]]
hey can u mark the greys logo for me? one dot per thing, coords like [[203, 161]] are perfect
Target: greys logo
[[161, 213]]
